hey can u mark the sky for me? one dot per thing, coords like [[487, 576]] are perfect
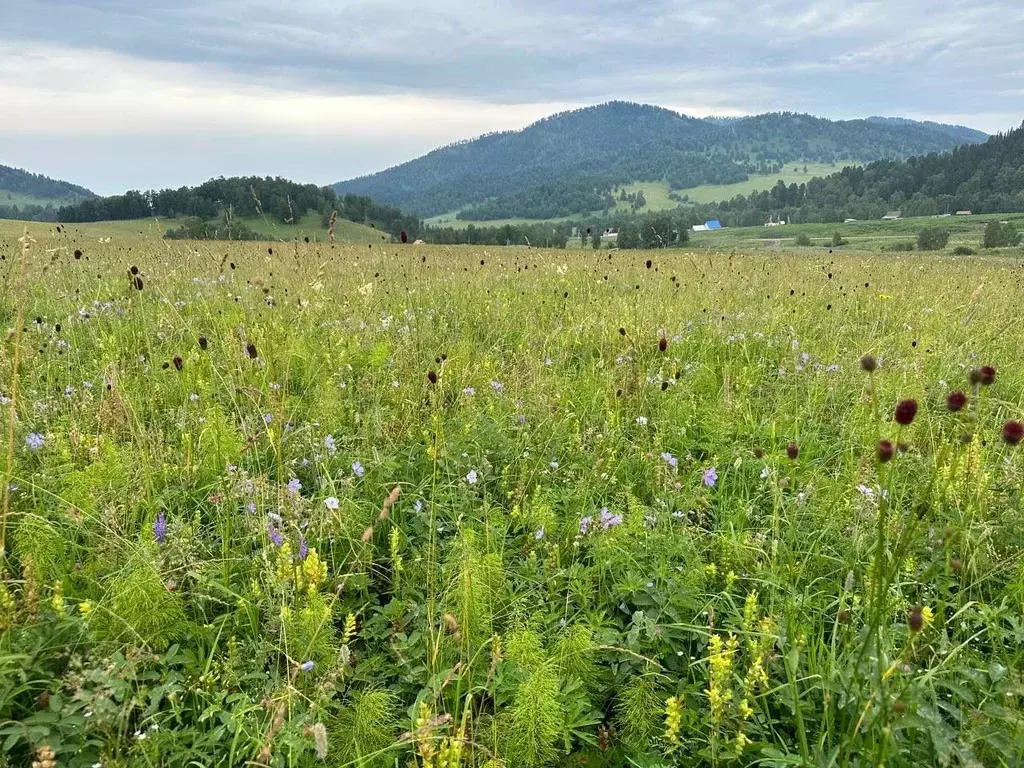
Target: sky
[[142, 94]]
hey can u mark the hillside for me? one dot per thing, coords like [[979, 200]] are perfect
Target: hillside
[[22, 193], [983, 178], [573, 162]]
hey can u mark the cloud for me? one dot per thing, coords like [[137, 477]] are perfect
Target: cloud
[[203, 86]]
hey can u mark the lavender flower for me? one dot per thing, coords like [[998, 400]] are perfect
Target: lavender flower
[[275, 535], [641, 420], [469, 391], [539, 534], [608, 520], [497, 386], [267, 418], [329, 444], [357, 469], [711, 477], [303, 549], [160, 528], [307, 666], [35, 441], [671, 460], [472, 477], [585, 524], [294, 486], [332, 502]]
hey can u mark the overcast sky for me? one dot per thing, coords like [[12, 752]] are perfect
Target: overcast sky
[[117, 94]]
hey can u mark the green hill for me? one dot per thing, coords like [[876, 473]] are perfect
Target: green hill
[[571, 162]]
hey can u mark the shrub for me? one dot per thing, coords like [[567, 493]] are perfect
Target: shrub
[[837, 239], [932, 239], [1000, 235], [963, 250], [803, 239]]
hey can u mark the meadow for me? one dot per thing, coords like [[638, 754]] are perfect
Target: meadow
[[289, 504]]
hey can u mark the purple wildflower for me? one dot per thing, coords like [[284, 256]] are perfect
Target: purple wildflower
[[711, 477], [329, 444], [267, 418], [35, 441], [294, 486], [332, 502], [472, 477], [275, 535], [608, 520], [357, 469], [160, 528], [539, 534], [497, 386], [671, 460], [585, 524], [307, 666], [303, 549]]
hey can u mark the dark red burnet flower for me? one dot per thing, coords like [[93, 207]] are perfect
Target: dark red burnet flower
[[250, 349], [203, 343], [988, 375], [1013, 432], [404, 236], [137, 282], [885, 451], [868, 363], [432, 377], [955, 401], [793, 450], [662, 344], [178, 363], [915, 619], [906, 410], [78, 253]]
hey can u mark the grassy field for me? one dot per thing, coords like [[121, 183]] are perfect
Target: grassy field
[[496, 507], [860, 235]]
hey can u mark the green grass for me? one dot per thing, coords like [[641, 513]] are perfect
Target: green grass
[[861, 235], [620, 509]]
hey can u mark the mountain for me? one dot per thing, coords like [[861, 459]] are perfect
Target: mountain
[[982, 178], [571, 162], [15, 182], [960, 133]]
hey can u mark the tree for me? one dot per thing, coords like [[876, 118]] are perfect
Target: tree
[[837, 239], [803, 239], [595, 240], [932, 239], [1000, 235]]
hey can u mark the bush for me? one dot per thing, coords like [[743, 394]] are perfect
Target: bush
[[902, 245], [963, 250], [803, 239], [837, 240], [932, 239], [1000, 235]]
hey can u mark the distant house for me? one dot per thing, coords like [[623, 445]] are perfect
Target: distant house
[[773, 223], [699, 228], [848, 221], [610, 235], [892, 216], [963, 213], [713, 224]]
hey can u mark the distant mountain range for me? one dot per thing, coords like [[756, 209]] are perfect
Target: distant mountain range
[[18, 185], [570, 163]]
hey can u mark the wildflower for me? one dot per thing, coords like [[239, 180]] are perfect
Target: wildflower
[[585, 524], [662, 344], [765, 472], [1013, 432], [987, 375], [403, 236], [710, 477], [669, 459], [641, 420], [251, 507], [673, 719], [432, 377], [497, 386], [84, 608], [471, 478], [303, 549], [160, 528], [329, 444], [294, 486], [357, 469], [868, 363], [275, 535], [469, 391], [906, 410], [250, 350], [955, 401], [608, 520], [332, 502], [267, 418], [539, 534], [35, 441], [178, 364], [307, 666], [885, 451], [793, 451], [915, 619], [203, 343]]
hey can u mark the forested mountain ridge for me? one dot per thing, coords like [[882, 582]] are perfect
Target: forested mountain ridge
[[983, 178], [25, 195], [569, 163]]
